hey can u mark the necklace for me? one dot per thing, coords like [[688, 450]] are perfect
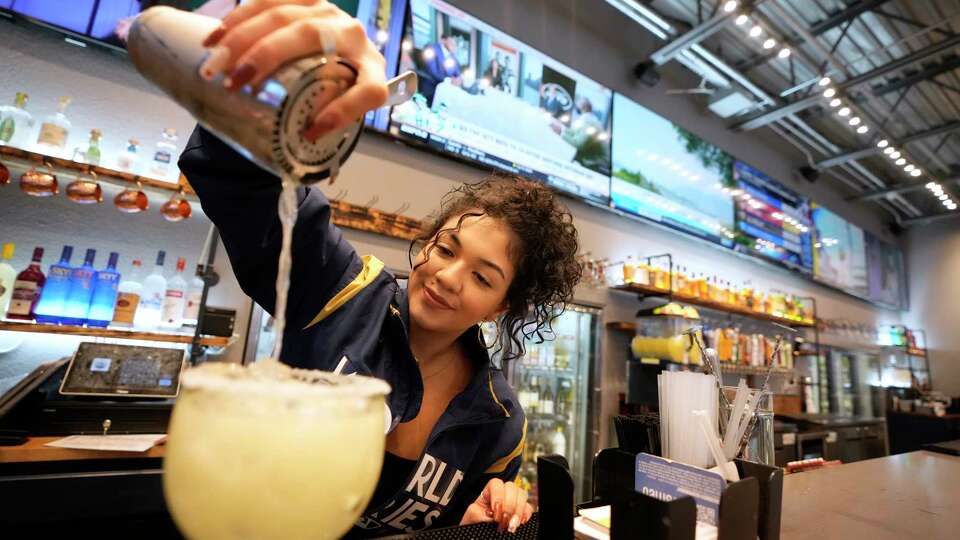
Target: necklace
[[436, 372]]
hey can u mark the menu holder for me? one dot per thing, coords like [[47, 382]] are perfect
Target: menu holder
[[749, 508]]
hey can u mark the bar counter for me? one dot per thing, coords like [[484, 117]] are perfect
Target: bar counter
[[906, 496]]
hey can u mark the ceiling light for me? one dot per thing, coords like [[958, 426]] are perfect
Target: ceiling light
[[909, 168], [741, 20], [931, 185], [895, 155], [835, 102], [844, 111], [407, 45], [889, 151], [855, 121], [916, 172], [756, 31], [900, 161], [943, 197], [882, 143], [784, 52], [730, 6], [769, 44], [862, 129], [824, 81], [829, 93]]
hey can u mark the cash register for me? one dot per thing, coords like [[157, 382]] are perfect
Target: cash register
[[131, 386]]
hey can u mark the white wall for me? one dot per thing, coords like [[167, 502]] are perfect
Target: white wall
[[933, 257]]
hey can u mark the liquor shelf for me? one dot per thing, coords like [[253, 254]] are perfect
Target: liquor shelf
[[647, 290], [726, 367], [116, 333], [345, 214]]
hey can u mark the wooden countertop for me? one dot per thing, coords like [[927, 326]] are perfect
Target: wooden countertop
[[907, 496], [34, 450]]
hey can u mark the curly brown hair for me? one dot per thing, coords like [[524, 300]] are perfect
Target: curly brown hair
[[545, 259]]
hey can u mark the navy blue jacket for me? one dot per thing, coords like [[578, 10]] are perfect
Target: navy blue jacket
[[347, 314]]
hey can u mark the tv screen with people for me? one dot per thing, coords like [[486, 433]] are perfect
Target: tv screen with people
[[491, 99], [668, 175]]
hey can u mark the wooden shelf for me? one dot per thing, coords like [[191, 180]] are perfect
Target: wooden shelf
[[167, 337], [361, 218], [622, 326], [726, 367], [709, 304], [60, 166]]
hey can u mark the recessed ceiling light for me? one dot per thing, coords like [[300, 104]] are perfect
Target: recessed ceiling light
[[862, 129], [844, 111], [916, 172], [756, 31], [829, 93], [855, 121], [882, 143], [741, 20], [769, 44], [900, 161], [889, 150], [824, 81], [784, 52]]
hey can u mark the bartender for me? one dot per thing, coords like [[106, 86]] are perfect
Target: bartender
[[501, 250]]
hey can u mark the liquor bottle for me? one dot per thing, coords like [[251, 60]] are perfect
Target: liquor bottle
[[558, 440], [128, 160], [7, 278], [77, 306], [564, 397], [194, 295], [128, 297], [164, 153], [16, 123], [54, 131], [547, 403], [174, 299], [151, 297], [104, 294], [534, 398], [642, 275], [53, 298], [27, 288], [629, 270], [92, 155]]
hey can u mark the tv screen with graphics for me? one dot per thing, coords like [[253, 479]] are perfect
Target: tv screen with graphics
[[491, 99], [885, 273], [669, 175], [839, 252], [771, 220]]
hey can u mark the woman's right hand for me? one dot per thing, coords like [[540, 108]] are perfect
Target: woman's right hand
[[260, 36]]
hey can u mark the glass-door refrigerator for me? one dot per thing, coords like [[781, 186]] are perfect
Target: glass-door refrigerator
[[555, 383]]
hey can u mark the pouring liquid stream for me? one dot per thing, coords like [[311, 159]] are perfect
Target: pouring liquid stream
[[287, 211]]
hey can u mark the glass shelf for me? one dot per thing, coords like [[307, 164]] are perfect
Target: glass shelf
[[116, 333]]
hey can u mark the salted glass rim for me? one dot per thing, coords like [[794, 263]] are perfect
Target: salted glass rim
[[268, 377]]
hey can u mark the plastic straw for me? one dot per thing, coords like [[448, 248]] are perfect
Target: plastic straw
[[730, 439], [727, 469]]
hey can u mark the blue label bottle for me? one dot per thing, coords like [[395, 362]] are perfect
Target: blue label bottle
[[104, 294], [54, 295], [81, 291]]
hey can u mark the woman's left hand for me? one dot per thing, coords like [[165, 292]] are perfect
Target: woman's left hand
[[503, 503]]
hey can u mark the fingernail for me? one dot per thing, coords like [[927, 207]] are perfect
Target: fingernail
[[217, 59], [215, 36], [240, 76], [514, 523], [321, 125]]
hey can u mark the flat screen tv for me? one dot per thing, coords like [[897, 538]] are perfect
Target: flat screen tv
[[669, 175], [839, 252], [885, 273], [771, 220], [490, 99], [107, 22]]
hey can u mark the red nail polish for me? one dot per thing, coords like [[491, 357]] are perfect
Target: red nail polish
[[240, 76], [215, 36]]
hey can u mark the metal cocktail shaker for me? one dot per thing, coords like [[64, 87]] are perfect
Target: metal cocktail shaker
[[263, 124]]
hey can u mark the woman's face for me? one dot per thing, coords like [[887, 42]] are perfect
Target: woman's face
[[465, 277]]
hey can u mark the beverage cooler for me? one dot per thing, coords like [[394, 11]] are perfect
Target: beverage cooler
[[555, 383]]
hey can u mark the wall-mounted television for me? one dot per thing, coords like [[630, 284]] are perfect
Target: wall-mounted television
[[839, 252], [669, 175], [771, 220], [490, 99], [885, 273]]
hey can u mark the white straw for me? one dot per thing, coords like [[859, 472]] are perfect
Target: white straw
[[730, 440]]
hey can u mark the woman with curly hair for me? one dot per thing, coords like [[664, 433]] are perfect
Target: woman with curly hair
[[503, 250]]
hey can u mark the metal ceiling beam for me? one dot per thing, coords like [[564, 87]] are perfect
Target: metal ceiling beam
[[898, 189], [835, 20], [927, 73], [929, 219], [833, 161], [692, 37], [804, 103]]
